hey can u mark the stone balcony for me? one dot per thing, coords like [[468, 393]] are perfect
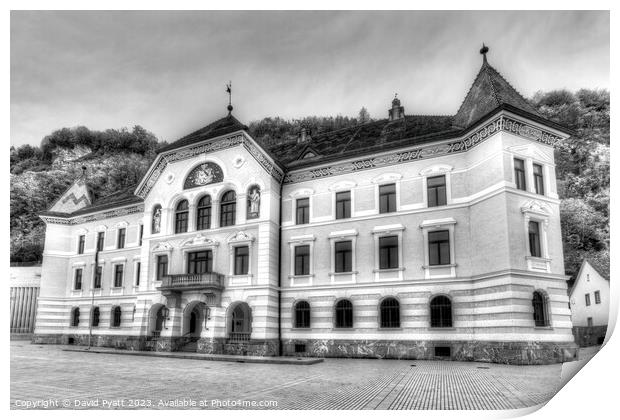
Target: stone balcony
[[211, 284]]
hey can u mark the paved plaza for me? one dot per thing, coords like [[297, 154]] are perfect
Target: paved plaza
[[47, 377]]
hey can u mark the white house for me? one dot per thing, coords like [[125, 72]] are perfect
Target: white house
[[589, 304], [413, 236]]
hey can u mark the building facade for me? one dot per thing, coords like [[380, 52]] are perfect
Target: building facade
[[589, 305], [408, 237]]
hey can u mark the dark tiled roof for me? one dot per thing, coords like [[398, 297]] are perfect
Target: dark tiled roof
[[489, 91], [365, 138], [118, 199], [223, 126]]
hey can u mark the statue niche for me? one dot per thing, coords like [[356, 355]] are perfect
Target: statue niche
[[156, 224], [253, 202]]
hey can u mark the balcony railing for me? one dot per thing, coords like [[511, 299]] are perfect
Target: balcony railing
[[239, 337], [192, 281]]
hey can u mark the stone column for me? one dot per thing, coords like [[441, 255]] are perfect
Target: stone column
[[191, 215]]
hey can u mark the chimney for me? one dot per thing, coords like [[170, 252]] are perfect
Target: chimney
[[302, 136], [397, 112]]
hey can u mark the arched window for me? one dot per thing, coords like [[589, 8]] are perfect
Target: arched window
[[228, 209], [156, 222], [441, 312], [181, 217], [203, 213], [390, 313], [75, 317], [302, 314], [344, 314], [539, 302], [116, 316], [95, 319]]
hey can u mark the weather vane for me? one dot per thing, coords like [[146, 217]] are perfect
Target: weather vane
[[229, 90]]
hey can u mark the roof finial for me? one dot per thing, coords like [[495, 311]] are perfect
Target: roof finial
[[229, 90], [484, 50]]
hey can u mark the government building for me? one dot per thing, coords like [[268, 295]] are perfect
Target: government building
[[410, 237]]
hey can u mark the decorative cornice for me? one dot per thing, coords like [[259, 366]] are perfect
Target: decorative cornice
[[93, 217], [501, 123], [189, 152]]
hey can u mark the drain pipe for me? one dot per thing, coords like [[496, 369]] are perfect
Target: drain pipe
[[279, 274]]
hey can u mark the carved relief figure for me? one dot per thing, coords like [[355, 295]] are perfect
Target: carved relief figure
[[156, 220], [204, 174], [254, 202]]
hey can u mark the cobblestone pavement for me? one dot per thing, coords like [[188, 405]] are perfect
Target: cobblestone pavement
[[52, 378]]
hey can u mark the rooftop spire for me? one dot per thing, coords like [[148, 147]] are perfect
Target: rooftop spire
[[484, 50], [229, 90]]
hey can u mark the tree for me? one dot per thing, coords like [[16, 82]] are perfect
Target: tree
[[363, 116]]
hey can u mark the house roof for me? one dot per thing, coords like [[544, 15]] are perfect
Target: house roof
[[365, 139], [602, 271], [489, 91], [221, 127], [118, 199]]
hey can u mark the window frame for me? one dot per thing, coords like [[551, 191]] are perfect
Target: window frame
[[81, 244], [306, 313], [140, 234], [539, 178], [342, 205], [445, 320], [519, 174], [77, 278], [208, 261], [98, 277], [342, 315], [344, 253], [121, 236], [597, 297], [244, 259], [343, 236], [116, 275], [137, 268], [305, 211], [100, 241], [393, 252], [541, 313], [440, 250], [383, 311], [228, 208], [588, 300], [204, 212], [435, 190], [159, 264], [114, 318], [95, 315], [181, 217], [390, 201], [305, 260], [75, 317], [443, 270]]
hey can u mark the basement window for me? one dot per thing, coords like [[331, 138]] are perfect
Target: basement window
[[442, 351]]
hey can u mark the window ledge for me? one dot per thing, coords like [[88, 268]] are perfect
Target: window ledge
[[441, 328], [116, 287], [546, 327], [388, 270], [541, 259], [438, 266], [301, 329], [390, 328], [301, 276], [343, 329], [343, 273]]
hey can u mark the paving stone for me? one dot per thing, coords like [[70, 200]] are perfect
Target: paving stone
[[48, 373]]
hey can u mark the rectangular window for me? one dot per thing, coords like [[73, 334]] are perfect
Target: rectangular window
[[302, 260], [436, 191], [200, 262], [590, 323], [343, 205], [343, 257], [242, 260], [303, 211], [387, 198], [539, 180], [162, 266], [439, 247], [138, 265], [97, 281], [120, 242], [180, 222], [140, 235], [388, 252], [81, 240], [78, 279], [228, 214], [534, 239], [587, 299], [100, 238], [519, 173], [118, 275], [597, 297]]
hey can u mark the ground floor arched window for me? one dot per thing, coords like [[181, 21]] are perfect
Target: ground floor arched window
[[441, 312], [116, 316], [390, 313], [75, 317], [344, 314], [95, 319], [539, 302], [302, 314]]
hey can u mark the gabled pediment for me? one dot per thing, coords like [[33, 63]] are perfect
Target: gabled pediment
[[75, 198]]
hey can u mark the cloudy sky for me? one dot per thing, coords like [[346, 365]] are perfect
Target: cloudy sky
[[167, 71]]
